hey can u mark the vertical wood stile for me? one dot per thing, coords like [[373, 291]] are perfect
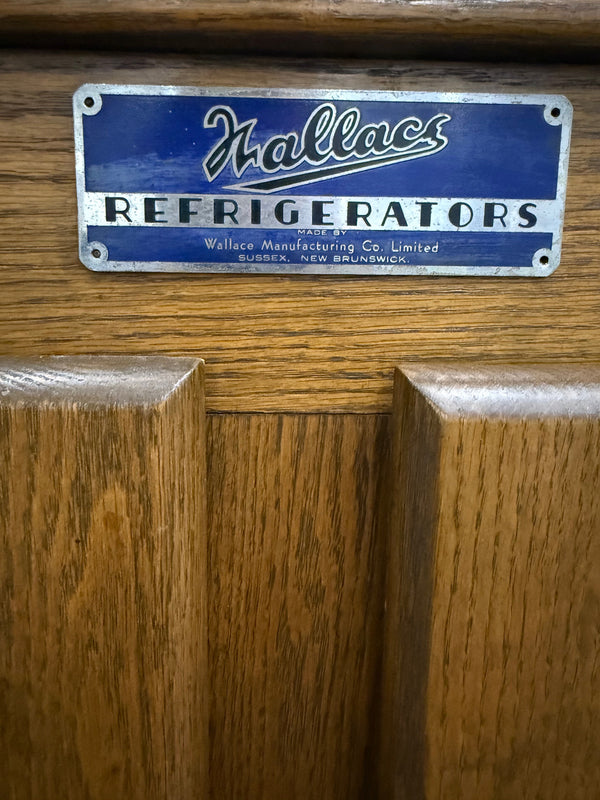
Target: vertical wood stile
[[492, 665], [103, 652]]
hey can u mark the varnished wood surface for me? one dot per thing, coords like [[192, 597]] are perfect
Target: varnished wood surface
[[276, 343], [103, 637], [295, 611], [492, 687], [551, 30]]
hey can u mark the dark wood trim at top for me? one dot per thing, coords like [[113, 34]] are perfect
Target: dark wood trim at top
[[520, 30]]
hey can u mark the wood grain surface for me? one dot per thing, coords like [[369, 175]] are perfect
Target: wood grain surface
[[103, 637], [275, 343], [492, 667], [552, 30], [295, 611]]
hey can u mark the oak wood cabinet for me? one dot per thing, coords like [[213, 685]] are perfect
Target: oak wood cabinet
[[233, 565]]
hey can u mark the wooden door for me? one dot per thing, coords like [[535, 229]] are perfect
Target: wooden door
[[233, 564]]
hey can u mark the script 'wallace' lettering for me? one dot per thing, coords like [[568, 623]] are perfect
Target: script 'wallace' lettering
[[330, 145]]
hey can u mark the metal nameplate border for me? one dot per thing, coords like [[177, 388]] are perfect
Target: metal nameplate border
[[94, 256]]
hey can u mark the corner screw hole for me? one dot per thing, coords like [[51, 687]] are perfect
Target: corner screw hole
[[96, 253], [555, 113], [89, 102], [544, 260]]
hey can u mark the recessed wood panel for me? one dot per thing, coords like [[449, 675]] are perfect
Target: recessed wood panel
[[295, 608], [103, 638], [492, 679]]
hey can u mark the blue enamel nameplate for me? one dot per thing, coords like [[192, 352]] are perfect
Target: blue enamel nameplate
[[174, 179]]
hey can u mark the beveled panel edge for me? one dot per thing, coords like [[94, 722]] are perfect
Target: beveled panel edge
[[504, 391], [93, 380]]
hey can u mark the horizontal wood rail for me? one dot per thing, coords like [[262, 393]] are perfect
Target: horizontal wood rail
[[275, 343], [520, 30]]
